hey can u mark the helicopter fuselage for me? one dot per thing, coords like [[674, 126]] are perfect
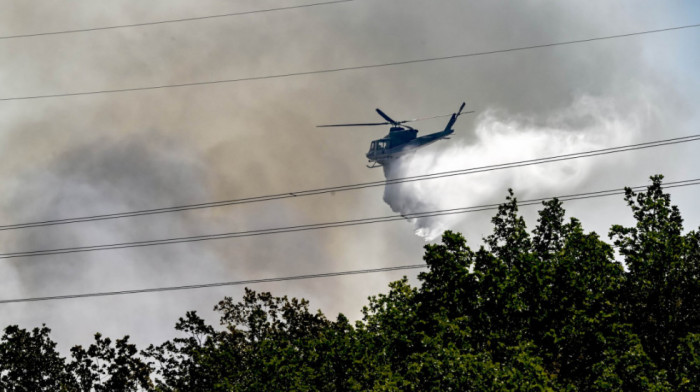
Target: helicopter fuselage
[[400, 141]]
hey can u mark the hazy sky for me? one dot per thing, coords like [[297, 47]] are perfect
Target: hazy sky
[[85, 155]]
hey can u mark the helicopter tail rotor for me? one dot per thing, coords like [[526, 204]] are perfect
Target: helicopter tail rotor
[[461, 108], [454, 117]]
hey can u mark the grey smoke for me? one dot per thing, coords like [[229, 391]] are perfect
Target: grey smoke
[[588, 124], [86, 155]]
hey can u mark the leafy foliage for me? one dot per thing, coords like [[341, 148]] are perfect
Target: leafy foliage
[[548, 310]]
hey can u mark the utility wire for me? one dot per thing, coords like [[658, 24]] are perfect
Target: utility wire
[[271, 280], [172, 20], [350, 68], [326, 225], [210, 285], [342, 188]]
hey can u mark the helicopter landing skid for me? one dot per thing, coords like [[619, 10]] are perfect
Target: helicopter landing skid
[[374, 164]]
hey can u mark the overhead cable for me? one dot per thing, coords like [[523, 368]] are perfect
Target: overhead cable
[[171, 20], [364, 185], [349, 68], [211, 285], [325, 225]]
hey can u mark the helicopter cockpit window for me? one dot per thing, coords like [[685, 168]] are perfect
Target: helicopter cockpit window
[[382, 145]]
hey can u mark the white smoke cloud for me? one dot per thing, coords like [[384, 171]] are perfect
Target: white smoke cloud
[[589, 123]]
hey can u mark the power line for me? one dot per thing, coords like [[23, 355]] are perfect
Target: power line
[[350, 68], [326, 225], [210, 285], [364, 185], [172, 20], [290, 278]]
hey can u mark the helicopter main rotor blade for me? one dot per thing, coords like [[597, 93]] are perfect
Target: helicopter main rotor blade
[[387, 118], [432, 117], [459, 112], [352, 125], [424, 118], [391, 121]]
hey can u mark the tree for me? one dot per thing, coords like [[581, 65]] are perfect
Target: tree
[[662, 286], [29, 362], [548, 310], [107, 367]]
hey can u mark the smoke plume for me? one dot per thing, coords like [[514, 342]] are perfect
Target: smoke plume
[[588, 124]]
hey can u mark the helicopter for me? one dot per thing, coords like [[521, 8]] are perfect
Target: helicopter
[[401, 138]]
